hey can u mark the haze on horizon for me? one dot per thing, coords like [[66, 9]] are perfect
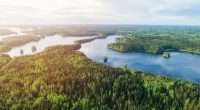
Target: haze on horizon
[[178, 12]]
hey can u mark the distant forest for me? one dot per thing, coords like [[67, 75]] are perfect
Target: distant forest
[[159, 39]]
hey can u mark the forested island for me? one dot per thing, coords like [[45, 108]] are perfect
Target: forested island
[[61, 78], [166, 55], [7, 43], [82, 41], [159, 39]]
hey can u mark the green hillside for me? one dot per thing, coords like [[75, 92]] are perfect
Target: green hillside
[[61, 78]]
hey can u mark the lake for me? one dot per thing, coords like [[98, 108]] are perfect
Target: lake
[[180, 65], [43, 43]]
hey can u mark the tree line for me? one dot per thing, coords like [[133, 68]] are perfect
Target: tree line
[[61, 78]]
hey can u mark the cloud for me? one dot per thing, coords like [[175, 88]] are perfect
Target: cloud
[[99, 11], [190, 11]]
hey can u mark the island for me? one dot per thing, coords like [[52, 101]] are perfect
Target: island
[[166, 55], [33, 48], [21, 52], [105, 59], [82, 41], [7, 43]]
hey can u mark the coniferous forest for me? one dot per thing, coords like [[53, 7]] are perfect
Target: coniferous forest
[[99, 55], [158, 39], [62, 78]]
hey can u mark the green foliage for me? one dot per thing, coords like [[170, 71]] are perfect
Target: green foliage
[[158, 39], [61, 78], [166, 55], [105, 59], [4, 59], [19, 40], [4, 48], [33, 48], [74, 30], [7, 43]]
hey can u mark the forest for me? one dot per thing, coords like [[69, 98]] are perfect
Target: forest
[[8, 43], [62, 78], [73, 30], [35, 33], [158, 39]]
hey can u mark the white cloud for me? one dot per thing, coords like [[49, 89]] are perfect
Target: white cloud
[[99, 11]]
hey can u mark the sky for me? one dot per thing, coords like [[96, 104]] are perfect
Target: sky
[[166, 12]]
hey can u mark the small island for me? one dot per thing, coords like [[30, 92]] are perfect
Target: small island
[[105, 59], [166, 55], [21, 52], [33, 48], [8, 43]]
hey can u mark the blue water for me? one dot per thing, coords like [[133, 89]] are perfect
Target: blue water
[[181, 65]]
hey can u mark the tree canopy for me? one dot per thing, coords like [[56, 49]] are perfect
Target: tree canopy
[[61, 78]]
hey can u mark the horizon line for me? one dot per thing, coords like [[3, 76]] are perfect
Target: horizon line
[[117, 24]]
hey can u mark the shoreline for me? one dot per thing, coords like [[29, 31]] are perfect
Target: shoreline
[[77, 45], [142, 51]]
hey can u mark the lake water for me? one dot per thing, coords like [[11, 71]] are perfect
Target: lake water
[[40, 45], [18, 31], [181, 65], [43, 43]]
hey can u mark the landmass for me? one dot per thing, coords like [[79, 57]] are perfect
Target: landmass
[[7, 43], [73, 30], [157, 40], [166, 55], [63, 78]]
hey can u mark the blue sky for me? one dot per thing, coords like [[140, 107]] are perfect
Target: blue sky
[[180, 12]]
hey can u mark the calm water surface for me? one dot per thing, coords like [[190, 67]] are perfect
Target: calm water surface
[[43, 43], [18, 31], [181, 65]]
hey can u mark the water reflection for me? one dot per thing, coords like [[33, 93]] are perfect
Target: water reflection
[[180, 65], [42, 44]]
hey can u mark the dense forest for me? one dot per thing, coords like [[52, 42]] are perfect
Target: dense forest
[[159, 39], [61, 78]]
